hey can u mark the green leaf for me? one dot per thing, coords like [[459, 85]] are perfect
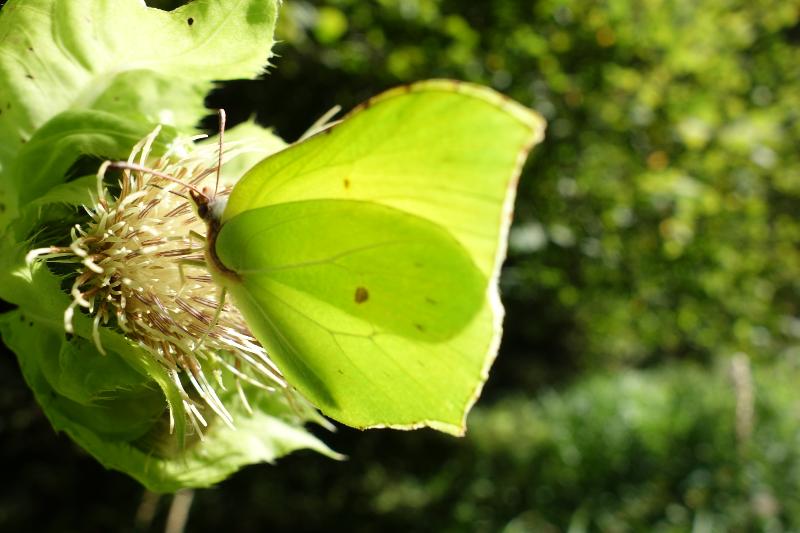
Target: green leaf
[[377, 295], [43, 162], [121, 57], [101, 392], [125, 428], [38, 294]]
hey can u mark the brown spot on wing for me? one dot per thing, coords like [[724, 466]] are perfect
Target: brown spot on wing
[[362, 295], [346, 183]]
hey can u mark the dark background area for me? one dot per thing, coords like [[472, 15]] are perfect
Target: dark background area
[[647, 377]]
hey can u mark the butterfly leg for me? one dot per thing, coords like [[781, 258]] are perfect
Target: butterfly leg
[[197, 236], [193, 235], [222, 294], [183, 263], [215, 320]]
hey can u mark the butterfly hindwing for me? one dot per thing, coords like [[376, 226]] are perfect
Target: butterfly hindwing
[[367, 256], [354, 315]]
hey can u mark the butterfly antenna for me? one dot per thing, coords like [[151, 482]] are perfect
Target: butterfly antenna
[[219, 150], [124, 165], [169, 191]]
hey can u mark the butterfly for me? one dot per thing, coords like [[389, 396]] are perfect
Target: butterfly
[[365, 258]]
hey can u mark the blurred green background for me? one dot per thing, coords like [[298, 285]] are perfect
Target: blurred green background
[[648, 377]]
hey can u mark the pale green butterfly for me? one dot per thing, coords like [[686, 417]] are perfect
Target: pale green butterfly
[[365, 258]]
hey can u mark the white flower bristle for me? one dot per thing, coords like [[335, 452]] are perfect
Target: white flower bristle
[[140, 269]]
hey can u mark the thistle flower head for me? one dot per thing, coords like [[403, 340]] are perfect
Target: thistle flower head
[[140, 267]]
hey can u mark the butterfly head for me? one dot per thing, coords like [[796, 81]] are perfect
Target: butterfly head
[[209, 206], [201, 201]]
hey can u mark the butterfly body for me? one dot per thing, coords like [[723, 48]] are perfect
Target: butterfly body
[[209, 209]]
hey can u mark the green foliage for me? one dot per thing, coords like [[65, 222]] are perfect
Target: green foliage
[[117, 414], [89, 78], [665, 450], [142, 65]]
